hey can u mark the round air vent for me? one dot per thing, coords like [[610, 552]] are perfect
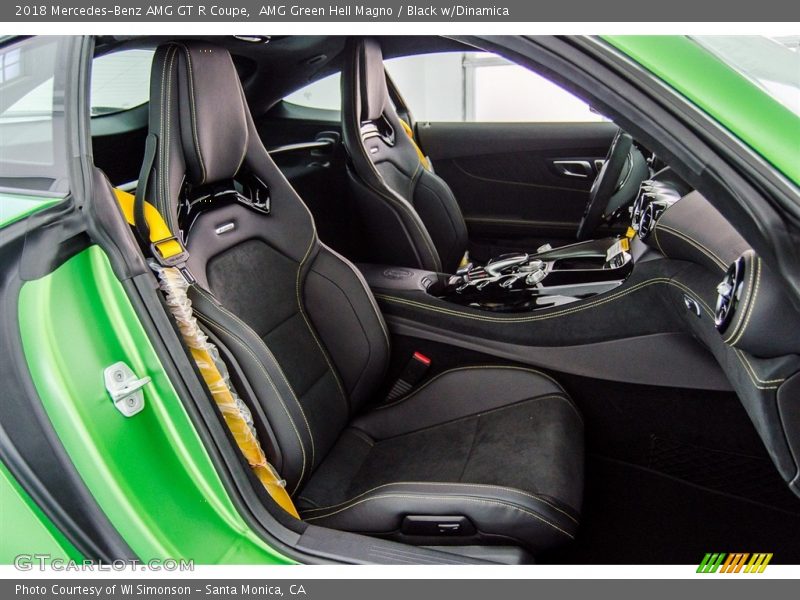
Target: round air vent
[[729, 292], [647, 221], [641, 203]]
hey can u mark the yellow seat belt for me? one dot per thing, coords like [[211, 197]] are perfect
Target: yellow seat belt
[[205, 354], [410, 133]]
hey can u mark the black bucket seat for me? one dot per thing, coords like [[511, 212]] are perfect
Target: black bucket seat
[[414, 218], [477, 454]]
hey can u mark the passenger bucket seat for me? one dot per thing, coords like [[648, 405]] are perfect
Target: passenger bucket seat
[[413, 217], [475, 455]]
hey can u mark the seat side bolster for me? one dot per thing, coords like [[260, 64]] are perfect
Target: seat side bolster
[[287, 419], [346, 316]]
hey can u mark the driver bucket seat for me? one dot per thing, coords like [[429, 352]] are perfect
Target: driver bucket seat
[[475, 455], [414, 219]]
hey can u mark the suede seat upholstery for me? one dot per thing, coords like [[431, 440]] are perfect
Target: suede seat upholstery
[[500, 446]]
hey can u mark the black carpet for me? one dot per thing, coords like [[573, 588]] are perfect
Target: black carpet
[[633, 515]]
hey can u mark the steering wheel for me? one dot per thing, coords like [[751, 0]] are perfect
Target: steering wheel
[[614, 173]]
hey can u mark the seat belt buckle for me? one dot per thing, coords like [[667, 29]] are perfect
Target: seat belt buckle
[[412, 374]]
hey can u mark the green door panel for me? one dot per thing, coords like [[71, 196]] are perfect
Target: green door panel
[[743, 108], [14, 207], [26, 529], [149, 473]]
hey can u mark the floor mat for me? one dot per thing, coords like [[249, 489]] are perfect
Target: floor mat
[[750, 477], [633, 515]]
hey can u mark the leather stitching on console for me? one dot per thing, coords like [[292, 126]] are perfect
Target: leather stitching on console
[[751, 373], [692, 242], [500, 319]]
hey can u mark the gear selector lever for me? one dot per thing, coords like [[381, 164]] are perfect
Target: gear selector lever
[[497, 265]]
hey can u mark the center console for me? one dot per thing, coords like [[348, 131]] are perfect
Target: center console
[[520, 282]]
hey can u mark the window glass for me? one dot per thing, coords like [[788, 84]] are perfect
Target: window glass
[[120, 81], [32, 115], [466, 87], [323, 94], [482, 87]]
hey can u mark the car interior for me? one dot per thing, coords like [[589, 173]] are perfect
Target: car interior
[[511, 342]]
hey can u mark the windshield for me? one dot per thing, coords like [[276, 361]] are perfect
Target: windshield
[[771, 63]]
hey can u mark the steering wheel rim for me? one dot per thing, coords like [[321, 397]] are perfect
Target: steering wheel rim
[[605, 184]]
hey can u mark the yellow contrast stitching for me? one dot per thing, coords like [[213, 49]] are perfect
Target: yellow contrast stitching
[[734, 327], [559, 313], [692, 242], [403, 204], [442, 483], [277, 365], [311, 329], [193, 108], [370, 297], [275, 389], [470, 368], [448, 498], [751, 307], [748, 367]]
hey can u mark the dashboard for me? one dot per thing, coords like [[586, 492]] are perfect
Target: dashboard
[[723, 319], [732, 303]]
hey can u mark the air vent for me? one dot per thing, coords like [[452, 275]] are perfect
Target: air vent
[[647, 221], [729, 292]]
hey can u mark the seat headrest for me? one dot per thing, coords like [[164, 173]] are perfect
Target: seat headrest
[[212, 111], [372, 81]]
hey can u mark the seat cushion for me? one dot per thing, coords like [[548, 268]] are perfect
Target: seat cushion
[[502, 446]]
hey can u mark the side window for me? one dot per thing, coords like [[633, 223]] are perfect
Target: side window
[[464, 87], [120, 81], [32, 144], [482, 87], [323, 94]]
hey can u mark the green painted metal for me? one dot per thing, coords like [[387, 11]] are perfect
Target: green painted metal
[[149, 473], [14, 207], [26, 529], [763, 123]]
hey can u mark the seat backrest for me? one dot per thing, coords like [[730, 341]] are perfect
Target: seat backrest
[[412, 217], [298, 319]]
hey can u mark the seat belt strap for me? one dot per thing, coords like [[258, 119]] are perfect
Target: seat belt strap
[[141, 222], [166, 247], [410, 133], [235, 413]]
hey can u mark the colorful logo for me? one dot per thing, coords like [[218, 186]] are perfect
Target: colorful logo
[[734, 563]]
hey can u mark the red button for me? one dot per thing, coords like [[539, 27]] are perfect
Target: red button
[[422, 358]]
